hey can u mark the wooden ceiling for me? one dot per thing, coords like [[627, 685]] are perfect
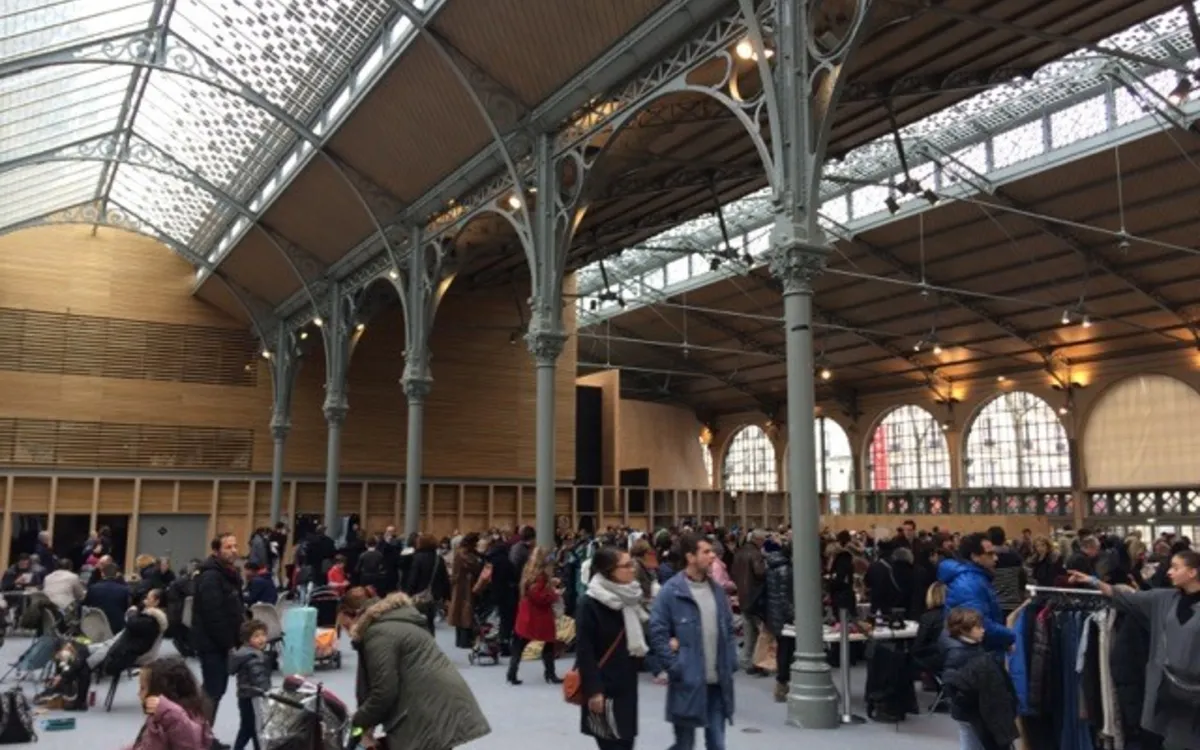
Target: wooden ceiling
[[1001, 271], [418, 126]]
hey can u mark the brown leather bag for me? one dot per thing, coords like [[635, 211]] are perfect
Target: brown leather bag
[[572, 684]]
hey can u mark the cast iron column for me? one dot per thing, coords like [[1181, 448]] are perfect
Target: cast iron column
[[285, 360], [336, 332], [812, 699], [546, 346], [417, 390], [279, 431]]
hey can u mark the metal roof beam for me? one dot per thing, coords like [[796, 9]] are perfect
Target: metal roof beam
[[768, 406], [631, 185], [954, 82], [1097, 259]]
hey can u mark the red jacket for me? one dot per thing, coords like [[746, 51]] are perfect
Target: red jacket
[[535, 615]]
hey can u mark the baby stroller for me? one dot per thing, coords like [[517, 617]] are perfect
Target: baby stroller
[[303, 715], [486, 646], [326, 601], [37, 661]]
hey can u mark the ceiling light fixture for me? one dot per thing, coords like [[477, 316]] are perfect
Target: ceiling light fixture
[[826, 373], [266, 354], [893, 206], [393, 274], [937, 348], [1001, 379], [1181, 93], [303, 335], [1086, 322], [514, 202], [318, 322], [744, 49], [1066, 318], [360, 327]]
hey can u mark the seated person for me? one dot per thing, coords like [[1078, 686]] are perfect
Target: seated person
[[64, 588], [111, 596], [20, 576], [143, 627], [68, 689], [260, 585], [336, 577]]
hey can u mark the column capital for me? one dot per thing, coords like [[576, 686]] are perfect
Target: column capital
[[335, 409], [416, 387], [281, 425], [545, 344], [796, 260]]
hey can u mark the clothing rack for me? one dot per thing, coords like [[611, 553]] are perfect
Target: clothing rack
[[1035, 590]]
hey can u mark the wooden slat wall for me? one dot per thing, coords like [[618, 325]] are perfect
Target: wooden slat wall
[[239, 504], [480, 418]]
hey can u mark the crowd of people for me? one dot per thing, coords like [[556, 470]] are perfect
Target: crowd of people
[[673, 605]]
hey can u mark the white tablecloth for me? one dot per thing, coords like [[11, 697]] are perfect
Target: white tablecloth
[[885, 633]]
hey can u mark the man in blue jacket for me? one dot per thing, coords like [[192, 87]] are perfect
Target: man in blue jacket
[[969, 584], [691, 634]]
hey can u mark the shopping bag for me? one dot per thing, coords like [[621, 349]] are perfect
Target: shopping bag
[[764, 651]]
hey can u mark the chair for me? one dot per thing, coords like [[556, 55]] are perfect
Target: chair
[[93, 623], [142, 661]]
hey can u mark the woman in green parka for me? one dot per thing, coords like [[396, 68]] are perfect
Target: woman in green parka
[[405, 684]]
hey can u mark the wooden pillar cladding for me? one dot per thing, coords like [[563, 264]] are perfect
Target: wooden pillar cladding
[[397, 498], [520, 497], [491, 505], [95, 504], [429, 508], [362, 509], [175, 497], [131, 552], [212, 513], [251, 492], [6, 530], [53, 508], [460, 522]]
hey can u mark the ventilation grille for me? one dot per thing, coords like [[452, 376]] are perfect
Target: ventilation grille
[[66, 344], [47, 442]]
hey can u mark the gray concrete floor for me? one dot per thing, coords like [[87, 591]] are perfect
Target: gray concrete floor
[[530, 715]]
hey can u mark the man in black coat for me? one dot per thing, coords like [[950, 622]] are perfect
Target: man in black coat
[[370, 570], [217, 615]]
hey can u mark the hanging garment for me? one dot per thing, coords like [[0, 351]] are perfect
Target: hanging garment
[[1017, 663], [1112, 727], [1074, 733]]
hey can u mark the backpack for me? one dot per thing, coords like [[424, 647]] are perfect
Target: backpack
[[16, 719]]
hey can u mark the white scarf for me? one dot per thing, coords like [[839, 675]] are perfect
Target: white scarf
[[626, 597]]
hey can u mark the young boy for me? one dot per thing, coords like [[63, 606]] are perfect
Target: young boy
[[982, 699], [253, 669]]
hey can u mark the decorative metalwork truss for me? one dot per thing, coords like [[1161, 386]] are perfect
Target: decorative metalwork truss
[[178, 110], [1017, 441], [750, 462], [1084, 103], [908, 451]]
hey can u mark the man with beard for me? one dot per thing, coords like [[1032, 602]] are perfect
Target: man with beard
[[217, 616]]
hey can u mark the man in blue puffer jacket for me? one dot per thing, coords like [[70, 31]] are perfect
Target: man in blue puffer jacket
[[969, 584]]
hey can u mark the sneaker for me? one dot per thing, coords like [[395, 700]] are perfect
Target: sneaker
[[781, 691]]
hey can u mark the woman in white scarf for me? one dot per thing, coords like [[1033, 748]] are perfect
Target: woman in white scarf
[[610, 638]]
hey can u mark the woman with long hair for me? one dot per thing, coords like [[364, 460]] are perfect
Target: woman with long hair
[[175, 708], [538, 590], [426, 581], [609, 640], [1046, 564]]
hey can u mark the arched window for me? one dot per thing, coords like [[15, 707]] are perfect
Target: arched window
[[1142, 433], [835, 460], [750, 461], [706, 456], [834, 457], [1018, 441], [908, 452]]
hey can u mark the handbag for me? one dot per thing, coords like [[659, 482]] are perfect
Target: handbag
[[1176, 688], [572, 684], [424, 598]]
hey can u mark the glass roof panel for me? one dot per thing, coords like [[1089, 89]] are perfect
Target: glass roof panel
[[33, 191], [172, 205], [293, 53], [40, 26], [50, 107], [223, 137]]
